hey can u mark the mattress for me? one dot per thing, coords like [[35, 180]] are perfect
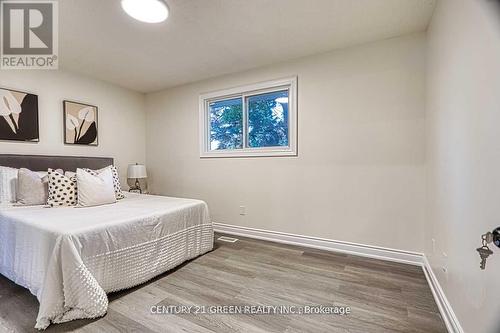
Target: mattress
[[69, 258]]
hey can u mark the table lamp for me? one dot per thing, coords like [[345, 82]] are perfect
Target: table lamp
[[137, 171]]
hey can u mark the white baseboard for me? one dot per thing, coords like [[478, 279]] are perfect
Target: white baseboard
[[376, 252], [370, 251], [449, 317]]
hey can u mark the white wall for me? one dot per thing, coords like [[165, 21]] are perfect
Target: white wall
[[365, 146], [463, 143], [360, 172], [121, 116]]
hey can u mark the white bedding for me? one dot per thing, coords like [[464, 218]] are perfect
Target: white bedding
[[69, 258]]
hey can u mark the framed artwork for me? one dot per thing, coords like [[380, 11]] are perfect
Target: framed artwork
[[80, 124], [18, 116]]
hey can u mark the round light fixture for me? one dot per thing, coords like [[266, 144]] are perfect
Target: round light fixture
[[281, 100], [149, 11]]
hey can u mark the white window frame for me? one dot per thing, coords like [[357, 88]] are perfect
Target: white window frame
[[244, 92]]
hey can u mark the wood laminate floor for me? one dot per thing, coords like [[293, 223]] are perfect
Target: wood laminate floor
[[383, 296]]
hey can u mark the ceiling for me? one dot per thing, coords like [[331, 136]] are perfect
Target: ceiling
[[207, 38]]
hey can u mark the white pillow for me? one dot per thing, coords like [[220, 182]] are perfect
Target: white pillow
[[116, 180], [32, 187], [8, 184], [70, 174], [95, 190]]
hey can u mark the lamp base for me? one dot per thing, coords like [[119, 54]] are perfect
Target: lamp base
[[137, 187]]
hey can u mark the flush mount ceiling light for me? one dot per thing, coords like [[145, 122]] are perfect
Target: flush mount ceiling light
[[281, 100], [149, 11]]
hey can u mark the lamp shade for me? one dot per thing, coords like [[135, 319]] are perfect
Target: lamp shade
[[137, 171]]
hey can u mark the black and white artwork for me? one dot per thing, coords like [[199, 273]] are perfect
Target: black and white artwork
[[80, 124], [18, 116]]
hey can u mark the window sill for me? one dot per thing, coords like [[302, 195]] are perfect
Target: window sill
[[249, 153]]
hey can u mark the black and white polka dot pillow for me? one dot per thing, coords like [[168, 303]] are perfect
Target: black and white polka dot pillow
[[116, 183], [116, 180], [62, 190]]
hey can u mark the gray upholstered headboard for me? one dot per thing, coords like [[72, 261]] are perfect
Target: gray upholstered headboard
[[41, 162]]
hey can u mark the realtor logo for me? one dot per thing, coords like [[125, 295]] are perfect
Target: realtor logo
[[29, 38]]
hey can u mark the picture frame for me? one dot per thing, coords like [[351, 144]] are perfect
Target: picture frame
[[80, 121], [19, 116]]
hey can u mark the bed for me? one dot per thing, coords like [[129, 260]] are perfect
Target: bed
[[70, 258]]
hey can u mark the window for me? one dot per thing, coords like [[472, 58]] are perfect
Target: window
[[255, 120], [226, 124]]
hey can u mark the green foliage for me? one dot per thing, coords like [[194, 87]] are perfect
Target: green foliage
[[267, 122], [267, 128], [226, 125]]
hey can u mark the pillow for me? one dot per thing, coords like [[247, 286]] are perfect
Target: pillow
[[95, 190], [8, 184], [62, 189], [32, 187], [116, 180], [70, 174]]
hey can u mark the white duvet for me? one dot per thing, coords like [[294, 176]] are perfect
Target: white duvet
[[69, 258]]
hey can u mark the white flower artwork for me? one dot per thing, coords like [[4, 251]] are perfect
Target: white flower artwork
[[80, 123], [18, 116]]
